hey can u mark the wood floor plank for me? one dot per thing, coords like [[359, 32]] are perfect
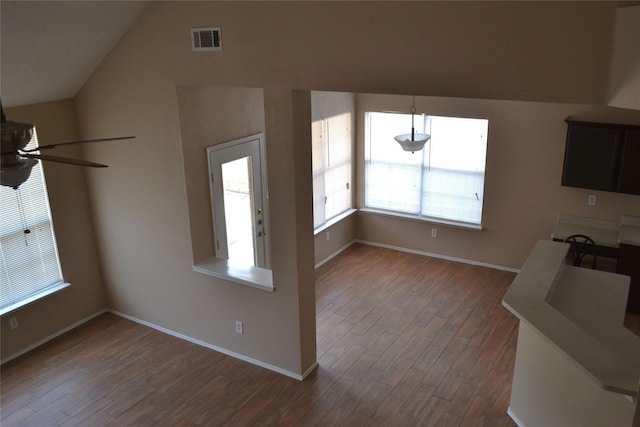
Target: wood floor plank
[[402, 339], [432, 412]]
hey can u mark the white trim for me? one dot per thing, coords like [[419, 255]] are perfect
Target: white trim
[[336, 219], [256, 277], [166, 331], [335, 254], [307, 372], [434, 255], [43, 293], [218, 349], [52, 336], [514, 418], [422, 218]]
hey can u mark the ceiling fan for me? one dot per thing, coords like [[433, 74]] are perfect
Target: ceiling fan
[[16, 161]]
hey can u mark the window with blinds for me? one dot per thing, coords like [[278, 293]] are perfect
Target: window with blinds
[[29, 263], [443, 181], [331, 141]]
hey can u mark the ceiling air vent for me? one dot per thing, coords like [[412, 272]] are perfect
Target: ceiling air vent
[[206, 39]]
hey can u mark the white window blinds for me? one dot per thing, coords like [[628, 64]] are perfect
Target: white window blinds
[[29, 263], [331, 152], [445, 180]]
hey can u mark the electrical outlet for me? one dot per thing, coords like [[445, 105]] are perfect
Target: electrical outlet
[[13, 322], [239, 327], [592, 199], [327, 236], [434, 232]]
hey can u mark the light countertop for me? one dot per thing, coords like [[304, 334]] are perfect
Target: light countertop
[[604, 233], [581, 312], [629, 231]]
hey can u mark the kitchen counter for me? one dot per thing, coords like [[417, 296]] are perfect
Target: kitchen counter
[[576, 364], [629, 233], [614, 241], [608, 234]]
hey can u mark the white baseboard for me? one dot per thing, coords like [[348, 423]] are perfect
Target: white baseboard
[[514, 418], [52, 336], [166, 331], [308, 371], [219, 349], [434, 255], [335, 254]]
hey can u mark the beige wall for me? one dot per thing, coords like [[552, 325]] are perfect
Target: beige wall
[[625, 63], [55, 122], [523, 195], [341, 235], [142, 204], [329, 104], [210, 116]]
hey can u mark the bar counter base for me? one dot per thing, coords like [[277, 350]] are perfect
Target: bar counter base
[[550, 390]]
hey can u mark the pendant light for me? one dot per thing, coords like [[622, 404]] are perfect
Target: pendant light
[[412, 141]]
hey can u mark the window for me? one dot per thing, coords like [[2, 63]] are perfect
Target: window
[[29, 263], [444, 181], [331, 141]]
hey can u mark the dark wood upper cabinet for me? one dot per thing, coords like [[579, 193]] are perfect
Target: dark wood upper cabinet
[[602, 156], [629, 181]]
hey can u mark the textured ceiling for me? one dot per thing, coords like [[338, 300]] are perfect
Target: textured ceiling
[[50, 48]]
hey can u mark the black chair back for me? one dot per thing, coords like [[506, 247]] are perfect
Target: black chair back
[[581, 246]]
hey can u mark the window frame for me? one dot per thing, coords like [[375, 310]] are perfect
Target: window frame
[[320, 191], [416, 211], [256, 277], [38, 219]]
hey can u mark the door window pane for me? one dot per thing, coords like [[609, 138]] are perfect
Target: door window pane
[[238, 207]]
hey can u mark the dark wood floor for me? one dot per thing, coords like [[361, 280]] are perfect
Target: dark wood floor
[[402, 340]]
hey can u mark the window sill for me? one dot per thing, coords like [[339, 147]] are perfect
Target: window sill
[[457, 224], [255, 277], [46, 292], [334, 220]]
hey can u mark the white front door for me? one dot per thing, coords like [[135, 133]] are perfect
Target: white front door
[[239, 205]]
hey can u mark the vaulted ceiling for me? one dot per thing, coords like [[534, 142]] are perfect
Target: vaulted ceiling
[[50, 48]]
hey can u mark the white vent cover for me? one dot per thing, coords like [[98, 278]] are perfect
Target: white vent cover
[[206, 39]]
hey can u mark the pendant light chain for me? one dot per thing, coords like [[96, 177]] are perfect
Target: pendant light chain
[[413, 141], [413, 112], [23, 218]]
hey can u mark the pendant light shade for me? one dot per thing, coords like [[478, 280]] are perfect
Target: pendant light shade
[[412, 141]]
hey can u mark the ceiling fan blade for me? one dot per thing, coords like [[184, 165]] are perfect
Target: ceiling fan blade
[[59, 159], [86, 141]]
